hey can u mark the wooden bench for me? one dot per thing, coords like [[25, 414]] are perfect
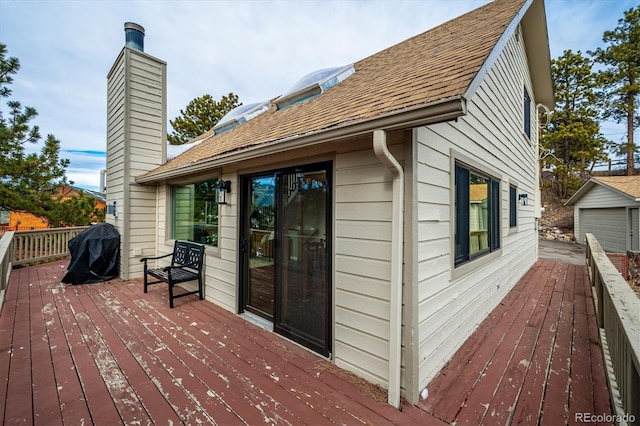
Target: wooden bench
[[186, 265]]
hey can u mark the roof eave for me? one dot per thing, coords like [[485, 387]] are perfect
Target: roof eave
[[534, 27], [536, 38], [420, 115], [580, 192], [589, 185]]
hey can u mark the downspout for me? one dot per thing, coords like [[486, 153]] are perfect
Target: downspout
[[395, 317]]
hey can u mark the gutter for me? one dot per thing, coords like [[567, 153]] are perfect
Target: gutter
[[435, 112], [397, 232]]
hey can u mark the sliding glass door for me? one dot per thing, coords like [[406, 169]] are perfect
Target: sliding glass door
[[258, 246], [286, 246]]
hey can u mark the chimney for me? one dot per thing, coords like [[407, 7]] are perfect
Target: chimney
[[136, 143], [134, 36]]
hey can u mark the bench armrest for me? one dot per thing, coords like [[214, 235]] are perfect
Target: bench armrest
[[144, 259]]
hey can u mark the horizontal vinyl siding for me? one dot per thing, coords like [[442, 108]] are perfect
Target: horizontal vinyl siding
[[363, 195], [222, 269], [115, 165], [450, 306], [221, 263], [136, 116], [145, 151]]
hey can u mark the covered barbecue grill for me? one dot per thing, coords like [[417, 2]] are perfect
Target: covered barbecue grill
[[95, 254]]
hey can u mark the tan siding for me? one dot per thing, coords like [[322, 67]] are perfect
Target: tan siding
[[135, 144], [363, 192], [115, 140], [491, 134]]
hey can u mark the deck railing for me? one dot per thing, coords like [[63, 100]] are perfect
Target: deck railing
[[19, 247], [618, 315], [5, 262], [42, 244]]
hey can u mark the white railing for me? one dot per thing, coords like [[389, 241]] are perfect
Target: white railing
[[20, 247], [618, 314], [42, 244], [5, 262]]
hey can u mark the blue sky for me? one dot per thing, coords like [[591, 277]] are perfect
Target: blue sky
[[255, 49]]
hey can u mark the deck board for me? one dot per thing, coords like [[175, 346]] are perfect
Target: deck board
[[108, 354], [536, 358]]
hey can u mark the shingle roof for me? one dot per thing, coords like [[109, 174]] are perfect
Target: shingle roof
[[436, 65], [625, 185], [629, 185]]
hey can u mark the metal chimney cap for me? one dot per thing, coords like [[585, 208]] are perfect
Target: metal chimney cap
[[133, 26]]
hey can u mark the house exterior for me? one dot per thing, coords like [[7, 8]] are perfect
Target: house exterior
[[607, 207], [14, 221], [375, 216]]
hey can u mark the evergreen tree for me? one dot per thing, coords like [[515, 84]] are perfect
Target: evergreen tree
[[621, 78], [573, 142], [29, 182], [200, 115]]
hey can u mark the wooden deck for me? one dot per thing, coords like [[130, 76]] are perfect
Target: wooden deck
[[535, 360], [108, 354]]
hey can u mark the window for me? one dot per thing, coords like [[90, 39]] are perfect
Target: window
[[4, 216], [513, 207], [477, 214], [195, 212], [527, 113]]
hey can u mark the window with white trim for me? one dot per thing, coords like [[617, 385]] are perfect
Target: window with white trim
[[195, 213]]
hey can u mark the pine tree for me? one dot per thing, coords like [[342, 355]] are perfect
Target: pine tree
[[573, 142], [621, 78], [29, 182], [200, 115]]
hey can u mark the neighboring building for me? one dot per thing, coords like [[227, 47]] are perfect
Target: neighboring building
[[23, 221], [607, 207], [375, 213]]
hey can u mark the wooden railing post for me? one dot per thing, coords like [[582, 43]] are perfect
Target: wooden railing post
[[618, 313]]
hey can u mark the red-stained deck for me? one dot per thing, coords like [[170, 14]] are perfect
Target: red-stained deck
[[107, 354], [536, 359]]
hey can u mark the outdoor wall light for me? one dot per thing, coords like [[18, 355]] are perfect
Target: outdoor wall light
[[112, 209], [223, 187], [523, 199]]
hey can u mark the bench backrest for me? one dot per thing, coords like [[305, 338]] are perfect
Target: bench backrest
[[186, 253]]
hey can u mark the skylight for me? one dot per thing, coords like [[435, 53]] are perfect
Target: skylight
[[311, 85], [239, 115]]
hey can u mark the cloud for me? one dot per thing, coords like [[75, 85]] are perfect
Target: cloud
[[256, 49]]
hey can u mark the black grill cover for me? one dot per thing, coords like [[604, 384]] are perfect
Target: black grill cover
[[94, 255]]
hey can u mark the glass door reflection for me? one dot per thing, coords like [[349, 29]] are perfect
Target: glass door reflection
[[260, 243], [302, 293]]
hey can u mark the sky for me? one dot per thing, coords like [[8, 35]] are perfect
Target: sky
[[255, 49]]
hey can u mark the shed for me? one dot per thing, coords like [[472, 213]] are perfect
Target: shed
[[607, 207]]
